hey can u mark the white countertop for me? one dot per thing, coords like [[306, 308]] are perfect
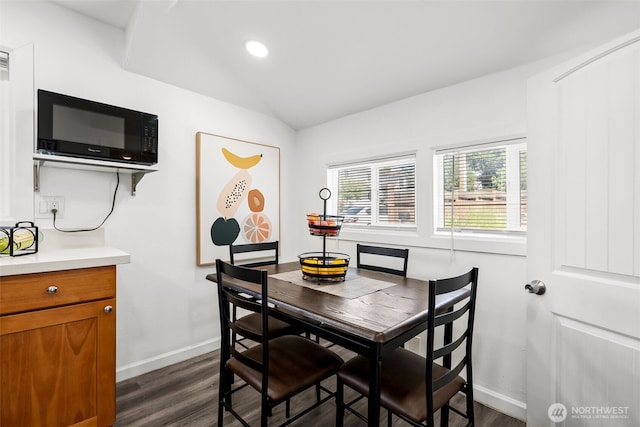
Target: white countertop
[[62, 259]]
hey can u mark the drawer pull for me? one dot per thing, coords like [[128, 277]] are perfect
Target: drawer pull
[[52, 290], [108, 309]]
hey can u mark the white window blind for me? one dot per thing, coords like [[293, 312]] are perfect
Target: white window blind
[[482, 188], [375, 193]]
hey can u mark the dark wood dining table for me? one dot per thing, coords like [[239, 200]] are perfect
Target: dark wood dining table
[[370, 313]]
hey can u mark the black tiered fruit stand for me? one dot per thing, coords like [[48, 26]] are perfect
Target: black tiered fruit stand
[[324, 266]]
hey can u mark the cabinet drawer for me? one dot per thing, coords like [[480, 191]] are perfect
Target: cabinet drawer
[[42, 290]]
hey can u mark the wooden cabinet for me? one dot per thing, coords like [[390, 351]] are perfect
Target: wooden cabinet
[[57, 348]]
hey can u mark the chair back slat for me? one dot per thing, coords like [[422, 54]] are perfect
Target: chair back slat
[[454, 283], [451, 316], [449, 376], [253, 364], [246, 302], [449, 348], [267, 249], [402, 254]]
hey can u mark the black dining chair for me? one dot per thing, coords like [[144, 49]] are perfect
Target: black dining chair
[[366, 254], [278, 368], [415, 387], [267, 253]]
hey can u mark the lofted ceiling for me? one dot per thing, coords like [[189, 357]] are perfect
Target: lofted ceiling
[[330, 58]]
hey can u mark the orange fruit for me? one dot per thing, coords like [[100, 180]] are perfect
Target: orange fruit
[[256, 200], [256, 228]]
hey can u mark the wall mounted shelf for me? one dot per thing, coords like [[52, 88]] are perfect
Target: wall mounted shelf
[[52, 160]]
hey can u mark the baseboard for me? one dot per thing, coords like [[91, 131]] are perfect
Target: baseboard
[[143, 366], [500, 402]]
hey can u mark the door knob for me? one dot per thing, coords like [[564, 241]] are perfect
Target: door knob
[[536, 287]]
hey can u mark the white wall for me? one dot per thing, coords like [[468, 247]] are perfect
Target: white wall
[[167, 311], [482, 109]]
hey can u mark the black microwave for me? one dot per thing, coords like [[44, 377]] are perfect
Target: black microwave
[[76, 127]]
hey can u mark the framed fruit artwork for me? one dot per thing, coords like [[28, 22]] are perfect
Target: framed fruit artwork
[[237, 195]]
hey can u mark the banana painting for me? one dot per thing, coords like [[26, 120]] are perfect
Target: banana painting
[[241, 162]]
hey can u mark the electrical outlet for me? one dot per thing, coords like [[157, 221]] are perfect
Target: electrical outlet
[[46, 203]]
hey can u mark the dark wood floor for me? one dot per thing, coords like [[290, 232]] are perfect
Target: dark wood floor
[[185, 394]]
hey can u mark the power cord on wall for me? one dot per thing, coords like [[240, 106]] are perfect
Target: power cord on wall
[[113, 204]]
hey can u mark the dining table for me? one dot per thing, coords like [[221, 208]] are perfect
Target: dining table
[[369, 312]]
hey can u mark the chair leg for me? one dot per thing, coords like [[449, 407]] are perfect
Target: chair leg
[[220, 410], [444, 415], [470, 411], [339, 404], [265, 413], [223, 388], [389, 418]]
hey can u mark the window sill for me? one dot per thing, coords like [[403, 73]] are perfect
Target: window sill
[[493, 244], [500, 245], [381, 235]]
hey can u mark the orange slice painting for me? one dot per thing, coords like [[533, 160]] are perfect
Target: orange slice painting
[[256, 228]]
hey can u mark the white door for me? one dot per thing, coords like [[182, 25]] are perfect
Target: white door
[[583, 343]]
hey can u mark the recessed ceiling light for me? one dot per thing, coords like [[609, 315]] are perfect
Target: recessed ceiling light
[[256, 48]]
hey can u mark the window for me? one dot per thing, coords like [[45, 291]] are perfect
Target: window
[[482, 188], [375, 193]]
